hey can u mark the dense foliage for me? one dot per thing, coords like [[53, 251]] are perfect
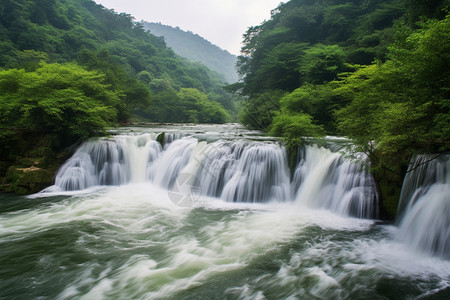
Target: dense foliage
[[100, 39], [403, 104], [369, 60], [311, 42], [192, 46], [65, 99], [188, 105]]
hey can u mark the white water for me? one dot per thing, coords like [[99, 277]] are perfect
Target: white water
[[328, 181], [425, 205], [235, 171], [111, 161], [257, 171], [244, 171], [164, 171], [134, 240]]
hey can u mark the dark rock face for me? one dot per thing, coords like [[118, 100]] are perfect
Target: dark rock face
[[27, 180], [29, 161]]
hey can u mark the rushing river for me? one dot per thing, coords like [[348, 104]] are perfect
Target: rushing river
[[216, 213]]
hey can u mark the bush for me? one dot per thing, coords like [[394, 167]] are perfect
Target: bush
[[61, 99]]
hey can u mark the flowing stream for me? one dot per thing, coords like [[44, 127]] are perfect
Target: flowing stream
[[215, 212]]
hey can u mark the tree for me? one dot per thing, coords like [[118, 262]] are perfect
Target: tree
[[294, 127], [322, 63], [319, 101], [401, 107], [310, 42], [63, 99], [258, 111], [195, 107]]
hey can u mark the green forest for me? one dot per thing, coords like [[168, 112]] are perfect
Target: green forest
[[137, 66], [374, 71], [69, 69]]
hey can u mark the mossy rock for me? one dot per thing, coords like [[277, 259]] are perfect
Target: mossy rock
[[41, 151], [390, 197], [27, 180], [389, 187], [28, 161], [160, 138]]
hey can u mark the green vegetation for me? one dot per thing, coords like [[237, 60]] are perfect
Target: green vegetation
[[309, 43], [64, 99], [56, 103], [351, 66], [102, 40], [189, 105], [196, 48], [374, 71], [71, 68], [404, 103]]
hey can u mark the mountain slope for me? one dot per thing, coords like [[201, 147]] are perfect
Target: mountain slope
[[101, 39], [196, 48], [62, 28]]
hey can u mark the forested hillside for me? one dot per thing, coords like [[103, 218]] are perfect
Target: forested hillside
[[71, 68], [376, 71], [196, 48], [136, 62]]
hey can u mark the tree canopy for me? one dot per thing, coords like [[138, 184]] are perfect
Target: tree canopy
[[84, 32], [375, 71], [65, 99], [403, 104]]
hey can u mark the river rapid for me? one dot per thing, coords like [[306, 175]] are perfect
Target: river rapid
[[214, 214]]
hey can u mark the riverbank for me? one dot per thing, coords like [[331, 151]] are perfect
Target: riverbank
[[30, 160]]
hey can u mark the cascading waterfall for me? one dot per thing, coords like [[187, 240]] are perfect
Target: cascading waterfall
[[327, 180], [244, 171], [164, 172], [235, 171], [112, 161], [262, 174], [218, 166], [423, 172], [425, 205]]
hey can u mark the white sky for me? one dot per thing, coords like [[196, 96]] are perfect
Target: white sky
[[222, 22]]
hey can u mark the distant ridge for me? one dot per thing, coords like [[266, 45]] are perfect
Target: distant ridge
[[196, 48]]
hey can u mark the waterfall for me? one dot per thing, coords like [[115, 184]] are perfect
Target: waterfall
[[244, 171], [166, 138], [327, 180], [164, 172], [235, 171], [218, 166], [424, 207], [111, 161]]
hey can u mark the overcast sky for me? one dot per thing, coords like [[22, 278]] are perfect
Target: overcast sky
[[222, 22]]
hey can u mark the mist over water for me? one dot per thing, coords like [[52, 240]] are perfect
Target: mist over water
[[129, 237]]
